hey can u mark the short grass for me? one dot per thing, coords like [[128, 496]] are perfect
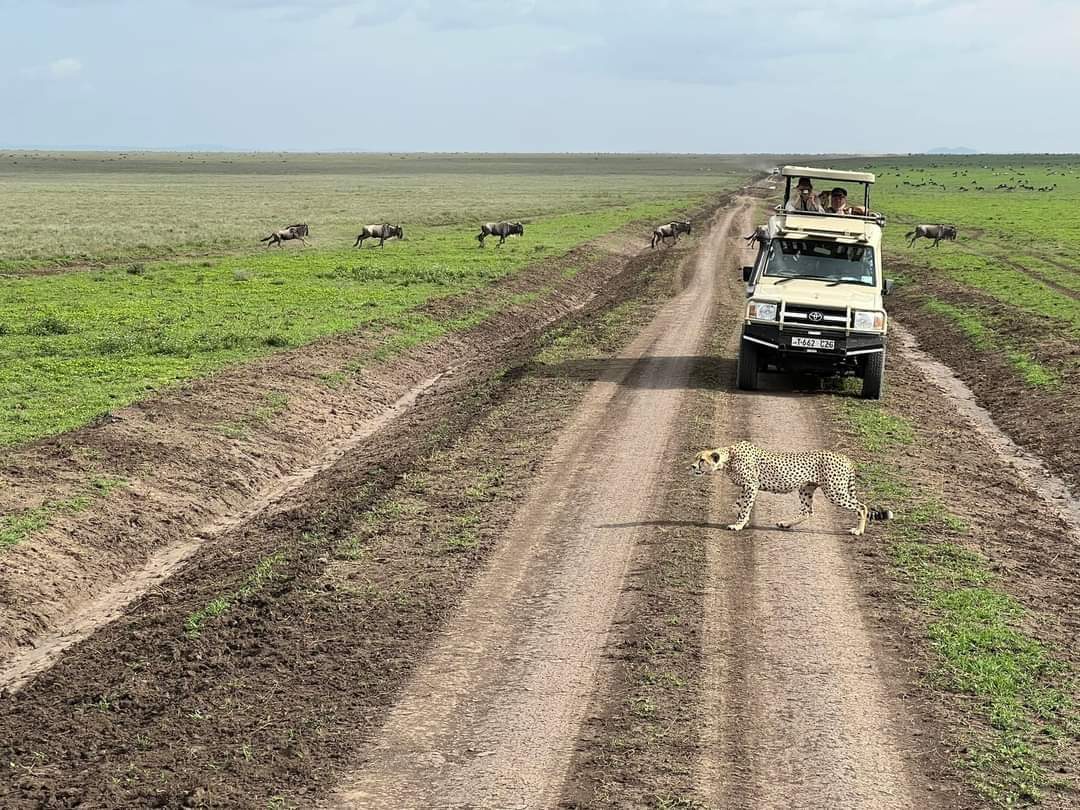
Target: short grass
[[74, 346], [64, 208], [983, 336], [16, 527], [1015, 686]]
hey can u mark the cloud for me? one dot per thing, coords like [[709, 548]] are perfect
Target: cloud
[[65, 68], [57, 70]]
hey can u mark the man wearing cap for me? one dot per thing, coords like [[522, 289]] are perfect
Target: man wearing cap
[[838, 203], [804, 199]]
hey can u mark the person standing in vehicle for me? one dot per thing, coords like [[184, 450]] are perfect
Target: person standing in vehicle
[[838, 203], [805, 199]]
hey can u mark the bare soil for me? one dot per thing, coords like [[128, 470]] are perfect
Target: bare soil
[[206, 457], [508, 593]]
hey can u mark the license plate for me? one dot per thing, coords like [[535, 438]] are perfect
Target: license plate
[[813, 343]]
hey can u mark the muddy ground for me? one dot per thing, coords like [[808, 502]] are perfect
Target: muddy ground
[[1036, 419], [390, 626]]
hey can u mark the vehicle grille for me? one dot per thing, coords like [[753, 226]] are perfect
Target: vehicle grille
[[825, 317]]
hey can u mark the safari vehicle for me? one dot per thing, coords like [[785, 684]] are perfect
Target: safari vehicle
[[815, 291]]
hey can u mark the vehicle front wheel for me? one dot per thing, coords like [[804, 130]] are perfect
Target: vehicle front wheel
[[874, 376], [748, 366]]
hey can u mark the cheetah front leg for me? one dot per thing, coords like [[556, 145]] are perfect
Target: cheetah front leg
[[746, 505], [806, 499]]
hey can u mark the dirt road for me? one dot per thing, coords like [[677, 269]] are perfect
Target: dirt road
[[801, 710], [799, 713], [492, 717]]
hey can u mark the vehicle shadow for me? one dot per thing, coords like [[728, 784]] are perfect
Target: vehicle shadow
[[643, 372], [777, 384]]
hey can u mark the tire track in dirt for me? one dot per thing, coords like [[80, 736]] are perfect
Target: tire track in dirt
[[798, 711], [20, 668], [1035, 472], [490, 719]]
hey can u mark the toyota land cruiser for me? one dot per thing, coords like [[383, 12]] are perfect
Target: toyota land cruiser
[[815, 292]]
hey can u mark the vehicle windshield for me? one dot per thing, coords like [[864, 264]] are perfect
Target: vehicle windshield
[[833, 262]]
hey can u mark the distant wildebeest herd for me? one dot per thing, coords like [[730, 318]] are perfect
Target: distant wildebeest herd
[[385, 231]]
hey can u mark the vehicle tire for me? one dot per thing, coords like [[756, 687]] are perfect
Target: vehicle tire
[[748, 366], [874, 376]]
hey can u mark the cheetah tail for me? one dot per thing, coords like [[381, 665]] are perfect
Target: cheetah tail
[[879, 514]]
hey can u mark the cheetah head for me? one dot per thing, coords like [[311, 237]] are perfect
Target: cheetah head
[[709, 461]]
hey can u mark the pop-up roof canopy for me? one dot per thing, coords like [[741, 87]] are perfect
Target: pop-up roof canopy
[[827, 174], [865, 178]]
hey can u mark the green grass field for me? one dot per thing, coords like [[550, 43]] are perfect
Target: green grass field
[[1018, 246], [71, 208], [930, 189], [74, 345]]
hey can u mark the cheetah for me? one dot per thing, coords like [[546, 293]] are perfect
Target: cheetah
[[753, 469]]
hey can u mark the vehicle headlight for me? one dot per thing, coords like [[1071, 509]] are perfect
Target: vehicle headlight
[[761, 311], [868, 319]]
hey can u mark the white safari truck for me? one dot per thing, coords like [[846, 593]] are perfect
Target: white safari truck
[[815, 290]]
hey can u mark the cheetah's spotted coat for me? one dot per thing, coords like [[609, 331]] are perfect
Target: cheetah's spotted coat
[[754, 469]]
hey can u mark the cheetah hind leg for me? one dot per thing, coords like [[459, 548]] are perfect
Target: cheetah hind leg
[[846, 499], [806, 500]]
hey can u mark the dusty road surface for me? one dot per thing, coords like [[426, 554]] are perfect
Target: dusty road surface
[[798, 711], [801, 712], [491, 718]]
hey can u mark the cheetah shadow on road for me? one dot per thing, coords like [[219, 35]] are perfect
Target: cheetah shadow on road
[[699, 524]]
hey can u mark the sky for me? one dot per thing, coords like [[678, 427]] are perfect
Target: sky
[[802, 76]]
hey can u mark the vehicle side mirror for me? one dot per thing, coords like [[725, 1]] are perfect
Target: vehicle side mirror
[[886, 288], [747, 272]]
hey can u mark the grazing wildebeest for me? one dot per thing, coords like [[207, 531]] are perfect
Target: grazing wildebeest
[[672, 230], [935, 232], [380, 232], [499, 229], [285, 234]]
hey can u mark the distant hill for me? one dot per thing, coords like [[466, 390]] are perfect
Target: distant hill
[[952, 150]]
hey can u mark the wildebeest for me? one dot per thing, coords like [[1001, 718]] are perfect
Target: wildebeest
[[380, 232], [760, 235], [935, 232], [672, 230], [287, 233], [499, 229]]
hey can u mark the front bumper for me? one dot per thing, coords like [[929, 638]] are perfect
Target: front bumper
[[845, 344]]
